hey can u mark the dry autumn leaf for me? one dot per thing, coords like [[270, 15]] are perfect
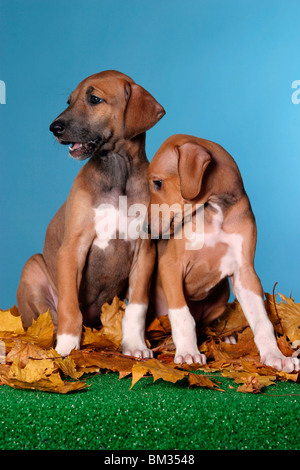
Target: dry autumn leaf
[[95, 339], [10, 323], [38, 374], [288, 313], [41, 331], [111, 319], [93, 361], [24, 351], [251, 385], [232, 320], [158, 370], [170, 373], [200, 380], [32, 363]]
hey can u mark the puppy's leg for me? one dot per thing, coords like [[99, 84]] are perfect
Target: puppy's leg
[[71, 259], [79, 236], [184, 336], [35, 293], [182, 321], [249, 293], [134, 320]]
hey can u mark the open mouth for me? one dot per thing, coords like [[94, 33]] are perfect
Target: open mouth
[[82, 150]]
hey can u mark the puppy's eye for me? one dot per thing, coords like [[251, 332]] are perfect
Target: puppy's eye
[[157, 184], [95, 99]]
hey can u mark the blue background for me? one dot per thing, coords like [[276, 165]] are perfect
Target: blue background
[[223, 70]]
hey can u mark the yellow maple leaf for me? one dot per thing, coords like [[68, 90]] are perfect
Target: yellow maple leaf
[[289, 313], [41, 331], [37, 374], [158, 370], [111, 319], [10, 322], [69, 367], [96, 339], [33, 371], [24, 351]]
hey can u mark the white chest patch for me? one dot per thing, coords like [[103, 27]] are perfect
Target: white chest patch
[[233, 257], [113, 223], [106, 224]]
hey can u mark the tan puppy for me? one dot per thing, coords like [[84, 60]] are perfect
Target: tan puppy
[[215, 241], [82, 265]]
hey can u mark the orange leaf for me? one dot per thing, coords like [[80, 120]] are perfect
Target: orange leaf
[[202, 381], [24, 351], [111, 319], [93, 361], [96, 339], [251, 385], [158, 370]]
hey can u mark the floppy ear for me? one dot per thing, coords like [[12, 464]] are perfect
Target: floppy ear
[[192, 163], [142, 110]]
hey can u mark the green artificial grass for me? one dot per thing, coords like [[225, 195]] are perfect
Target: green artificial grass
[[150, 416]]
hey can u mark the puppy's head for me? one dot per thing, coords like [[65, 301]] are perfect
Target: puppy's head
[[176, 179], [104, 109]]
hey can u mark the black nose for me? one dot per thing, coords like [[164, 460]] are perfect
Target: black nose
[[57, 127]]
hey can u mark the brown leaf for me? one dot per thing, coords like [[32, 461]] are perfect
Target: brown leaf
[[93, 361], [285, 346], [111, 319], [92, 338], [251, 385], [156, 327], [69, 367], [285, 376], [202, 381], [169, 373], [158, 370], [289, 313], [246, 377], [41, 331], [165, 346], [225, 353], [285, 316], [24, 351], [32, 363], [38, 374], [231, 321]]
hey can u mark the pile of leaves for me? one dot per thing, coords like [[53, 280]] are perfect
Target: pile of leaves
[[28, 359]]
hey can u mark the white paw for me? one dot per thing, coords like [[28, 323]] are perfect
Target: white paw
[[65, 343], [280, 362], [190, 358], [133, 329], [144, 353], [132, 347]]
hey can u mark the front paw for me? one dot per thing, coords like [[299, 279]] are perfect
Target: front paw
[[136, 349], [280, 362], [65, 343], [188, 357]]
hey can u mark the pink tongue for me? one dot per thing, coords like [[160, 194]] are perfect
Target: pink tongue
[[76, 146]]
